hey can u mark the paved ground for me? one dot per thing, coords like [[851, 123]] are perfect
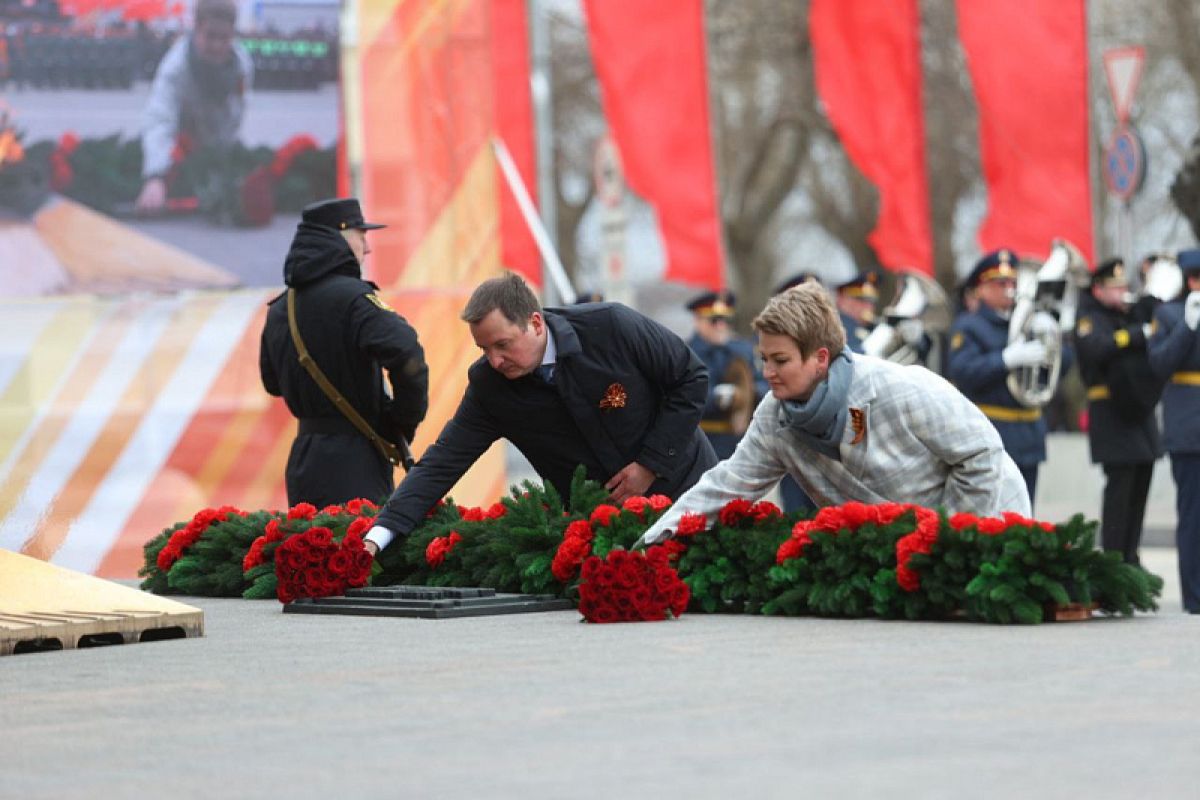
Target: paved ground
[[543, 706]]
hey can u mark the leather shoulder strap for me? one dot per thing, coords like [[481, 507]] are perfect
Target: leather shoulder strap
[[399, 456]]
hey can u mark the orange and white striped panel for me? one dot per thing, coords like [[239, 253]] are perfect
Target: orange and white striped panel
[[121, 416]]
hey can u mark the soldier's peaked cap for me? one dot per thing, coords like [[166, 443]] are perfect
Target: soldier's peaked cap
[[997, 264], [339, 213], [713, 304]]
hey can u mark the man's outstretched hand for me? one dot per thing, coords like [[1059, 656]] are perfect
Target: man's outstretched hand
[[631, 481], [371, 547]]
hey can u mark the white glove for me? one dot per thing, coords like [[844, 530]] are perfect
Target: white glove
[[911, 331], [723, 394], [1024, 354], [1191, 310], [1044, 324]]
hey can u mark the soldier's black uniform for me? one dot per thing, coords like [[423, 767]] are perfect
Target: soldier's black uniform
[[1123, 436], [351, 334]]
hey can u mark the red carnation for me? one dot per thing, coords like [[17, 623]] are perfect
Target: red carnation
[[659, 502], [603, 514], [439, 548], [579, 529], [990, 526], [332, 511], [360, 505], [919, 541], [764, 510], [302, 511], [637, 504], [471, 514], [496, 511], [829, 519], [734, 512], [360, 527], [855, 515], [189, 534], [887, 513], [963, 520], [690, 525]]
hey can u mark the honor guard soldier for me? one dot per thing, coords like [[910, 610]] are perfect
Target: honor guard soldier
[[734, 383], [981, 358], [856, 300], [1175, 357], [349, 333], [1122, 429]]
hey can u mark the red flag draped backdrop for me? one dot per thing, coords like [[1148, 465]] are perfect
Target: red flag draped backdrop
[[867, 58], [651, 64], [1028, 62]]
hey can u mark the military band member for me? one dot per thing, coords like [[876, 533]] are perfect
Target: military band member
[[714, 342], [1122, 439], [1175, 357], [981, 358], [856, 299]]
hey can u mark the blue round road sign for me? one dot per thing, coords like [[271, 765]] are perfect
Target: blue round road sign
[[1125, 163]]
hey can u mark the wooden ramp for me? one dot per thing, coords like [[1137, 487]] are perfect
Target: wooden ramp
[[44, 607]]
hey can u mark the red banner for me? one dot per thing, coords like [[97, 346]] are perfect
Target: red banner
[[650, 60], [514, 125], [1028, 61], [867, 58]]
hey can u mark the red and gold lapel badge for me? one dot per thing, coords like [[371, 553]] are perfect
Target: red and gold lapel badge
[[858, 422], [614, 397]]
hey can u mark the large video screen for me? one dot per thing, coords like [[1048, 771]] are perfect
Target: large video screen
[[159, 145]]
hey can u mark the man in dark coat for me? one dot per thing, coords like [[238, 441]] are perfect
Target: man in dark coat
[[596, 384], [713, 341], [1123, 440], [351, 334], [1175, 357]]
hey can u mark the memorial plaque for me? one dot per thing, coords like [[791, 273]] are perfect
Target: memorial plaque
[[427, 602]]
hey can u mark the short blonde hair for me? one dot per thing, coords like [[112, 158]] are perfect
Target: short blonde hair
[[806, 315]]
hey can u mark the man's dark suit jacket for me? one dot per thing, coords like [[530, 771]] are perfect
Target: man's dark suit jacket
[[624, 389]]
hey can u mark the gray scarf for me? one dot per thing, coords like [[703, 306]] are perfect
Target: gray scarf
[[820, 420]]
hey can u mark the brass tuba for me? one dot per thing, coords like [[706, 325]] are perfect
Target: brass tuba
[[920, 299], [1047, 299]]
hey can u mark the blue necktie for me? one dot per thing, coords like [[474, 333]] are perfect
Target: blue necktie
[[546, 373]]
